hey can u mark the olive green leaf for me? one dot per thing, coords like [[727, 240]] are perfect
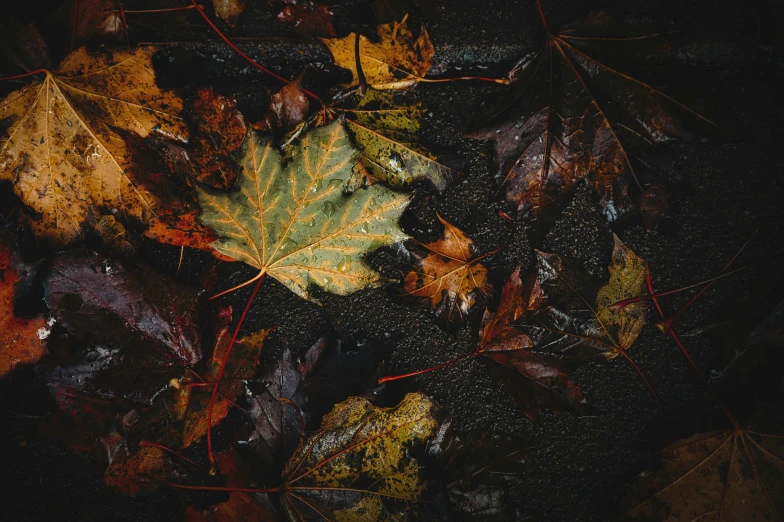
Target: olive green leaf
[[386, 131], [358, 466], [295, 222]]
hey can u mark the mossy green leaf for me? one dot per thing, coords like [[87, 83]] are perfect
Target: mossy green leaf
[[294, 222]]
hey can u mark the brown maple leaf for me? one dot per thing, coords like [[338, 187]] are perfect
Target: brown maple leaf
[[568, 129], [447, 276]]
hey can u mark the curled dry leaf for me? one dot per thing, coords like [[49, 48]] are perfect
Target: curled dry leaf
[[229, 10], [63, 151], [287, 108], [294, 222], [447, 276], [386, 131], [144, 326], [359, 464], [21, 340], [307, 19], [95, 21], [731, 475], [564, 130], [397, 61]]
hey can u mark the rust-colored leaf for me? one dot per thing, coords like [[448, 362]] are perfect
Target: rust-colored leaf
[[287, 108], [447, 276], [135, 473], [307, 19], [21, 340]]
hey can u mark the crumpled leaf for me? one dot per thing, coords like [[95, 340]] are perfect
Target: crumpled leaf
[[144, 327], [293, 221], [577, 118], [397, 61], [63, 152], [21, 340], [287, 108], [447, 276], [94, 21], [386, 131], [229, 10], [307, 19], [241, 505], [731, 475], [359, 466], [536, 381]]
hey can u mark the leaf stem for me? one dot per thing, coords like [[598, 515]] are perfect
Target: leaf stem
[[544, 19], [24, 75], [150, 444], [210, 454], [224, 488], [245, 56], [447, 364]]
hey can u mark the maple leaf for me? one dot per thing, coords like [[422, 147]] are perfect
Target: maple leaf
[[729, 475], [567, 132], [386, 130], [138, 472], [397, 61], [20, 340], [447, 276], [63, 151], [359, 464], [294, 222]]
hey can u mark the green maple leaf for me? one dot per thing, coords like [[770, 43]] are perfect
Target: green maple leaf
[[294, 222]]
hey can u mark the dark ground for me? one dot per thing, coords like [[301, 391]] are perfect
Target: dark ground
[[732, 64]]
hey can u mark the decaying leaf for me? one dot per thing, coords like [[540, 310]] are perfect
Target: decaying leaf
[[229, 10], [397, 61], [294, 222], [731, 475], [566, 131], [143, 326], [63, 151], [21, 340], [287, 108], [627, 279], [22, 48], [307, 19], [537, 381], [386, 131], [359, 464], [241, 505], [135, 473], [95, 21], [447, 276]]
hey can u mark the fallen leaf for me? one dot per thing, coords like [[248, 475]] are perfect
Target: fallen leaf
[[536, 381], [144, 327], [447, 276], [563, 131], [21, 340], [730, 475], [294, 222], [22, 48], [386, 131], [287, 108], [184, 230], [136, 473], [229, 10], [359, 464], [307, 19], [241, 505], [627, 280], [397, 61], [278, 413], [479, 472], [63, 152], [95, 21]]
